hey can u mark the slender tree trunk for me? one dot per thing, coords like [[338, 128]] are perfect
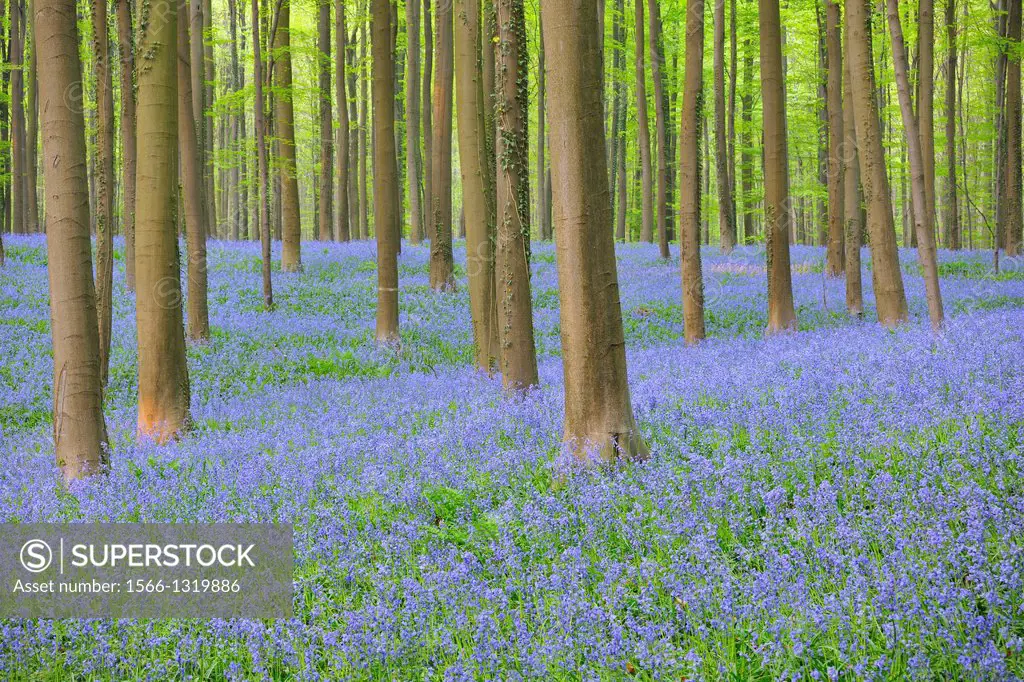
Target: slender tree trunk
[[852, 225], [126, 42], [385, 176], [726, 219], [598, 414], [1012, 173], [208, 77], [261, 157], [925, 101], [31, 132], [364, 99], [952, 203], [284, 114], [19, 153], [5, 135], [325, 208], [661, 122], [543, 225], [887, 279], [518, 355], [924, 227], [690, 175], [747, 142], [341, 226], [426, 103], [776, 177], [441, 273], [353, 136], [733, 64], [477, 191], [104, 181], [193, 190], [235, 208], [199, 22], [79, 429], [647, 225], [412, 118], [163, 373], [835, 253]]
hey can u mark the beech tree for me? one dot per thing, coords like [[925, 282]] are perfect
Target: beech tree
[[441, 258], [263, 171], [1012, 174], [325, 209], [644, 134], [690, 174], [163, 374], [853, 228], [726, 217], [598, 414], [385, 176], [79, 429], [104, 180], [342, 228], [412, 123], [126, 46], [835, 253], [887, 279], [284, 127], [776, 171]]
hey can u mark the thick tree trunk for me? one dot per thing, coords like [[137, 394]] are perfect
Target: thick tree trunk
[[887, 279], [952, 203], [598, 414], [1012, 173], [284, 114], [852, 225], [104, 212], [197, 223], [644, 133], [261, 158], [924, 226], [726, 218], [477, 190], [163, 373], [518, 355], [79, 430], [441, 258], [341, 222], [325, 207], [126, 42], [661, 122], [835, 254], [690, 175], [412, 118], [776, 176], [385, 175]]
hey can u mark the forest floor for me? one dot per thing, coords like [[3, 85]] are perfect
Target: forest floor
[[846, 502]]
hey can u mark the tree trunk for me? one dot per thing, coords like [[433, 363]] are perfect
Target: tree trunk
[[104, 211], [441, 273], [543, 223], [163, 373], [887, 279], [747, 142], [19, 153], [353, 136], [776, 176], [79, 429], [852, 225], [261, 158], [952, 203], [31, 133], [661, 122], [364, 99], [426, 102], [477, 191], [284, 114], [341, 222], [1012, 173], [412, 118], [924, 226], [925, 101], [835, 254], [385, 176], [518, 355], [726, 218], [193, 189], [644, 134], [126, 42], [325, 205], [690, 175], [598, 414]]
